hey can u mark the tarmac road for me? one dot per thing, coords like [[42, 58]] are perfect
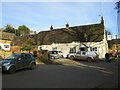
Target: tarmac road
[[78, 74]]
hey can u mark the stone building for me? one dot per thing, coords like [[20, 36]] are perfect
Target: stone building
[[77, 38]]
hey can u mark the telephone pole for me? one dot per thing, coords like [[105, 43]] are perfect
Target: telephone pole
[[116, 44]]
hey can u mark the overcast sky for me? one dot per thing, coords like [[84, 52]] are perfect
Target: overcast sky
[[39, 16]]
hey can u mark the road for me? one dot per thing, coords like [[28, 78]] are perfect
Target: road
[[78, 74]]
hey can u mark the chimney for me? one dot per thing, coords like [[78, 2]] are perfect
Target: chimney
[[51, 28], [67, 25], [102, 20]]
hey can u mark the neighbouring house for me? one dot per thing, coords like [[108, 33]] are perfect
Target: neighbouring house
[[5, 43], [91, 37], [33, 32], [5, 40], [5, 46], [114, 45], [6, 36]]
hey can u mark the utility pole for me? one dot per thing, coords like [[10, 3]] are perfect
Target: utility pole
[[116, 44]]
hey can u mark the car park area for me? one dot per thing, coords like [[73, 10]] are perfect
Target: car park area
[[71, 74]]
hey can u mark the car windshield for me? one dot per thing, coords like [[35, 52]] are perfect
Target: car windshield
[[60, 52], [96, 54], [12, 57], [54, 52]]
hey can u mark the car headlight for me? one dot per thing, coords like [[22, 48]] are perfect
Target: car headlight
[[6, 63]]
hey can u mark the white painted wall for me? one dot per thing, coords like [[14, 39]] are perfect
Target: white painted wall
[[102, 47]]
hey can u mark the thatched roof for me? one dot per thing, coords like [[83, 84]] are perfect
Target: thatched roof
[[87, 33]]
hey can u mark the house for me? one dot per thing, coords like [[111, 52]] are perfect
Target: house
[[33, 32], [114, 45], [5, 46], [5, 40], [5, 43], [77, 38]]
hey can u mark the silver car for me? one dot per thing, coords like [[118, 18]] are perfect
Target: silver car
[[85, 55], [56, 54]]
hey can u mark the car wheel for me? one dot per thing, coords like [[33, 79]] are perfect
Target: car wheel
[[32, 66], [11, 70], [62, 56], [72, 57], [90, 59], [52, 57]]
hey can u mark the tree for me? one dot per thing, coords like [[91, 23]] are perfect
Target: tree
[[23, 30], [17, 32], [28, 45], [9, 29]]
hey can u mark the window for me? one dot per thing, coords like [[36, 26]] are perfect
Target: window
[[72, 50], [0, 47], [82, 49], [93, 48], [40, 48], [60, 52], [54, 49], [83, 53], [78, 52], [54, 52], [6, 46], [27, 56]]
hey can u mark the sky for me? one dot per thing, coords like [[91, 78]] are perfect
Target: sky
[[39, 16]]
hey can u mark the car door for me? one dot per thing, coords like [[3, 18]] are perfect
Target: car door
[[20, 62], [78, 55], [28, 59], [83, 55]]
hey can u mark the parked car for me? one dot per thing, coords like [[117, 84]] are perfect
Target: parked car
[[85, 55], [56, 54], [118, 55], [68, 55], [18, 61]]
